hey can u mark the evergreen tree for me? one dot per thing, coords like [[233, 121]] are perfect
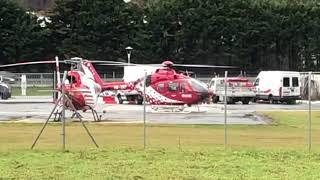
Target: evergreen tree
[[21, 36]]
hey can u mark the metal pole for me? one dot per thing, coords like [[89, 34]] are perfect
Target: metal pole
[[309, 116], [144, 112], [54, 86], [113, 75], [225, 108], [63, 113], [63, 123]]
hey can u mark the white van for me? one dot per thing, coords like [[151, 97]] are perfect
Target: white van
[[278, 86]]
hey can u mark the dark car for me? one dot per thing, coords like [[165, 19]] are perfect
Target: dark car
[[5, 91]]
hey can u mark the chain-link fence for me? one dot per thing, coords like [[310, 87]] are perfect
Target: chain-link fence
[[266, 123]]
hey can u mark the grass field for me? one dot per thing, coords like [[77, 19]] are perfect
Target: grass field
[[33, 91], [274, 151]]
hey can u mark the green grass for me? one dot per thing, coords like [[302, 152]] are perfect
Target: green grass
[[274, 151], [33, 91], [160, 163]]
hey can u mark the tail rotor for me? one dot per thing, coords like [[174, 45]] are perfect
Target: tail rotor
[[58, 73], [58, 85]]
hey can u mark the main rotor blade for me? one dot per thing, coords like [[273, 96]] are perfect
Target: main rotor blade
[[203, 66], [121, 65], [160, 65], [109, 62], [27, 63]]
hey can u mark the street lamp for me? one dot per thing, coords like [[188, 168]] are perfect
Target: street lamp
[[129, 49]]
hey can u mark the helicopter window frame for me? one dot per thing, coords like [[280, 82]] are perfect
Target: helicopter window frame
[[173, 86]]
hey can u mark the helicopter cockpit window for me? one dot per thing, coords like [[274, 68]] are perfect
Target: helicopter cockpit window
[[148, 80], [173, 86], [198, 86], [160, 87], [71, 79]]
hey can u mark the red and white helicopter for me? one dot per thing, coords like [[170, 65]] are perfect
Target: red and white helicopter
[[163, 86], [81, 85]]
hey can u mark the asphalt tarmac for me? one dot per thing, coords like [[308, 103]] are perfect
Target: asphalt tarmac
[[35, 111]]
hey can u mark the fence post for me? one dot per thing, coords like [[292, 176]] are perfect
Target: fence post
[[144, 112], [225, 109], [309, 115], [41, 79], [23, 85]]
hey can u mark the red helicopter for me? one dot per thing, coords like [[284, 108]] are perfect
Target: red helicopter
[[164, 86], [81, 85], [167, 87]]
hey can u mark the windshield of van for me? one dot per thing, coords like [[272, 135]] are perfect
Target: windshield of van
[[256, 83]]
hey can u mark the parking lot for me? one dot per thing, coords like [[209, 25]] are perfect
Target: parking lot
[[37, 110]]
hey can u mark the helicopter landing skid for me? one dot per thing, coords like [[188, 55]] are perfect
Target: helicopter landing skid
[[167, 108], [95, 115], [177, 109], [58, 115], [76, 114]]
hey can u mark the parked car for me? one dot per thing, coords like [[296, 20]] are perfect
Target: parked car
[[108, 97], [238, 89], [278, 86], [131, 96], [5, 89]]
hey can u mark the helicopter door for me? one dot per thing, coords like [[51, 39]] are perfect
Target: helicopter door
[[185, 91], [173, 90]]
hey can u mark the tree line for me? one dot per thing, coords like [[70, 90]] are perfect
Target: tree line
[[255, 35]]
